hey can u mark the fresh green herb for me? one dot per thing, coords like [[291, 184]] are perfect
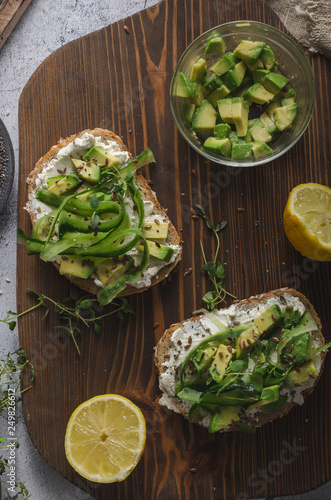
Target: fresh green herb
[[94, 201], [213, 268], [12, 367], [73, 310]]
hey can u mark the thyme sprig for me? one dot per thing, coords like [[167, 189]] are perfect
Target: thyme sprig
[[214, 269]]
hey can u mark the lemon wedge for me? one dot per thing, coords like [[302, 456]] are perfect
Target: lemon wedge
[[307, 220], [105, 438]]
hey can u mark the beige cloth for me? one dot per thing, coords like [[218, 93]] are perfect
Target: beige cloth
[[309, 21]]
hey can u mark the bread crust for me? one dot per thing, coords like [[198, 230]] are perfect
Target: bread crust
[[164, 344], [173, 238]]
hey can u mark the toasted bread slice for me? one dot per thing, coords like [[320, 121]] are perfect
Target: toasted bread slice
[[147, 195], [177, 338]]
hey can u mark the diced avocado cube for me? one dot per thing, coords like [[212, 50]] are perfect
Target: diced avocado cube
[[290, 93], [88, 171], [184, 87], [267, 320], [218, 146], [204, 118], [225, 109], [268, 395], [257, 65], [218, 94], [274, 82], [63, 184], [271, 108], [284, 116], [258, 131], [233, 78], [158, 250], [77, 267], [225, 417], [241, 150], [83, 187], [268, 58], [223, 65], [260, 149], [248, 136], [287, 101], [249, 51], [307, 371], [199, 70], [109, 270], [188, 110], [268, 123], [213, 84], [155, 230], [221, 131], [215, 46], [204, 357], [200, 95], [101, 157], [259, 75], [258, 94], [240, 115], [220, 362], [234, 139]]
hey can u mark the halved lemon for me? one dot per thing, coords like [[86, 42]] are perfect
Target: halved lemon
[[307, 220], [105, 438]]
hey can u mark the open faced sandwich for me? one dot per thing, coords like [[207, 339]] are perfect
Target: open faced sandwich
[[95, 217], [238, 368]]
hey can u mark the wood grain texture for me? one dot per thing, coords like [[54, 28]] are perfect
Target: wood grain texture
[[120, 81], [10, 13]]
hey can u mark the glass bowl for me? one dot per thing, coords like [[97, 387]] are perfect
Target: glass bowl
[[292, 63], [6, 165]]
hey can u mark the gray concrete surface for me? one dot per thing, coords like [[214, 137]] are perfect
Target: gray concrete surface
[[46, 25]]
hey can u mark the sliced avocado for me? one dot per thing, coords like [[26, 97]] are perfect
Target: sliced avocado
[[184, 87], [108, 270], [268, 395], [249, 51], [221, 361], [63, 184], [221, 131], [246, 341], [101, 157], [203, 357], [155, 230], [77, 267], [260, 148], [215, 46], [258, 131], [259, 75], [158, 250], [225, 417], [88, 171], [41, 228], [233, 78], [199, 96], [218, 146], [267, 320], [241, 150], [225, 109], [204, 118], [274, 82], [306, 371], [269, 124], [258, 94], [83, 187], [223, 64], [218, 94], [213, 84], [240, 115], [268, 58], [199, 70], [188, 110], [284, 116]]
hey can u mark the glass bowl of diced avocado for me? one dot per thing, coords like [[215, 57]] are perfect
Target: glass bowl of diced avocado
[[242, 93]]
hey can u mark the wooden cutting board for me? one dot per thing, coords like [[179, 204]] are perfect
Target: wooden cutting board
[[120, 81]]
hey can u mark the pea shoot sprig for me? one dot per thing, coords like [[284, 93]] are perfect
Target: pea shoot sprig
[[213, 268]]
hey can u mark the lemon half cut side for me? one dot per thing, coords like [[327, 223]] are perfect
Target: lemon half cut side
[[307, 220], [105, 438]]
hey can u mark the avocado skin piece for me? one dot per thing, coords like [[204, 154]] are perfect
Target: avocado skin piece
[[215, 46], [204, 118], [77, 267], [220, 420], [63, 184], [307, 372], [218, 146], [249, 51]]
